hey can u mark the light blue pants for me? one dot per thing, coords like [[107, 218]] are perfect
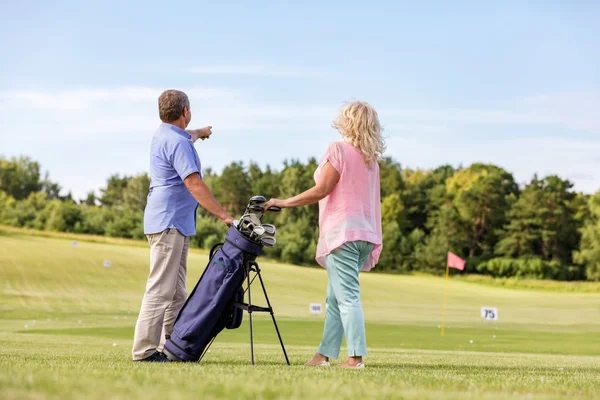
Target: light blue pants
[[344, 312]]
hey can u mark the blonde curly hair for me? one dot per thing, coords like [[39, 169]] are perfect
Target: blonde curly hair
[[358, 123]]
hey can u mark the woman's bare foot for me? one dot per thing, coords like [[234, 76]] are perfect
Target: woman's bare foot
[[353, 362], [319, 360]]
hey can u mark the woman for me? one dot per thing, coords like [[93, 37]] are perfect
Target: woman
[[347, 189]]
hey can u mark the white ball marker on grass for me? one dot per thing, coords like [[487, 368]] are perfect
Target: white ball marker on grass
[[114, 345], [470, 341], [106, 263]]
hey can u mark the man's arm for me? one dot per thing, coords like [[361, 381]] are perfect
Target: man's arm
[[202, 133], [204, 196]]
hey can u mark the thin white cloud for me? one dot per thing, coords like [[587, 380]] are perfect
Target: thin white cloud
[[93, 132], [79, 99], [570, 110], [572, 159], [279, 71]]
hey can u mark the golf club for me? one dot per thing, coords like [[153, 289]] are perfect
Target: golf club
[[255, 208], [257, 231], [269, 229], [255, 200], [270, 209], [268, 241]]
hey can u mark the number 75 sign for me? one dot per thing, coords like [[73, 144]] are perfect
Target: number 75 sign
[[491, 314]]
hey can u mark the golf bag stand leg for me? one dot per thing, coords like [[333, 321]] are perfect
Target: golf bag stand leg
[[257, 269], [248, 269]]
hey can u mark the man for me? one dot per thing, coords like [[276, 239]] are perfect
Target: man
[[176, 188]]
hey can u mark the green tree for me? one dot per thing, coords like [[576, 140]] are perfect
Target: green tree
[[542, 222], [263, 183], [51, 189], [90, 199], [61, 216], [233, 189], [298, 228], [26, 211], [390, 176], [424, 192], [112, 194], [94, 220], [449, 232], [482, 195], [126, 222], [19, 177], [393, 223], [295, 178], [589, 255], [7, 204], [135, 194]]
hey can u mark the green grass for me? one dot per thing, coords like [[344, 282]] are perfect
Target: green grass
[[66, 325]]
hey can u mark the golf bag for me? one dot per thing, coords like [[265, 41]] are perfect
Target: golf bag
[[211, 307]]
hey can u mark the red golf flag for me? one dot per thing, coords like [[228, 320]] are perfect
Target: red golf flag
[[455, 261]]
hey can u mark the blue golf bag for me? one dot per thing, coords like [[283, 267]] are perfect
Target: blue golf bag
[[216, 302]]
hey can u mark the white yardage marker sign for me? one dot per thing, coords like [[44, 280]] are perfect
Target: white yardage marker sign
[[489, 313], [316, 308]]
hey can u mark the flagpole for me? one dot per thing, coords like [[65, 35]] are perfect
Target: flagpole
[[445, 294]]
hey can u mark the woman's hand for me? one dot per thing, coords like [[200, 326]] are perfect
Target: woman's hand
[[275, 202]]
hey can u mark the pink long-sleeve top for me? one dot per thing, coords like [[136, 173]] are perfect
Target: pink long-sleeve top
[[352, 211]]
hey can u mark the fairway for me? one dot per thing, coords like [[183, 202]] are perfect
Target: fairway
[[66, 328]]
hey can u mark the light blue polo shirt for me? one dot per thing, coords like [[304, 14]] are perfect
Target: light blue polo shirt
[[170, 204]]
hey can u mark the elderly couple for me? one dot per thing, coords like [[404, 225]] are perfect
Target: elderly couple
[[346, 188]]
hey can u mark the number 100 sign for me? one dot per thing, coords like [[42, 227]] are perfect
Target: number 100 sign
[[491, 314]]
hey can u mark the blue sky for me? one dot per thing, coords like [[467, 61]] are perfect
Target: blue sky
[[513, 84]]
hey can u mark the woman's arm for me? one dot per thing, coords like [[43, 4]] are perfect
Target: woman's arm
[[328, 179]]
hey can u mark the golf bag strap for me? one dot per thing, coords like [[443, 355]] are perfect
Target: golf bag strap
[[214, 249]]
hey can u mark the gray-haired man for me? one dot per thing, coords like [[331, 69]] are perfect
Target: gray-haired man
[[176, 188]]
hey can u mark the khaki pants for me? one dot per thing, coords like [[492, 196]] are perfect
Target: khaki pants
[[165, 292]]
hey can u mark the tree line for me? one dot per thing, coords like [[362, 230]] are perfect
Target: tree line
[[542, 230]]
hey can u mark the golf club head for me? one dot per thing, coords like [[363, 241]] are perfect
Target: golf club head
[[269, 229], [257, 200], [255, 208], [274, 209], [253, 219], [258, 231], [268, 241], [244, 220], [245, 226]]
